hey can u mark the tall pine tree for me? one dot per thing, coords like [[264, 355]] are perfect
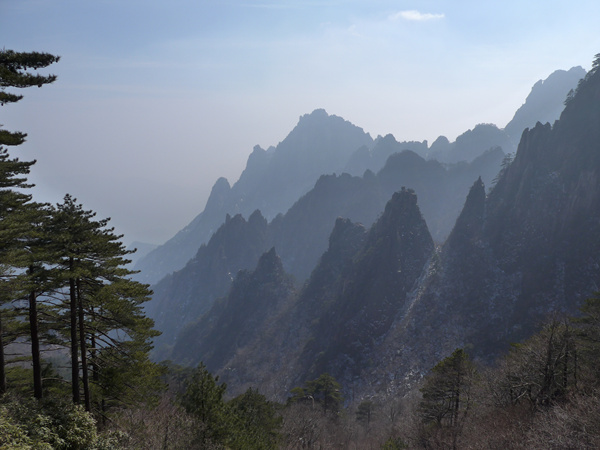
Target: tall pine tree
[[109, 333], [15, 72]]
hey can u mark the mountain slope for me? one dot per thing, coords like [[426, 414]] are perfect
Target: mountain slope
[[350, 301], [239, 318], [183, 296], [389, 306], [545, 102], [322, 144], [373, 291], [530, 249], [272, 181], [301, 235], [272, 362]]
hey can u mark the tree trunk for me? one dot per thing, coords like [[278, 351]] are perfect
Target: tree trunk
[[74, 351], [93, 360], [35, 345], [82, 344], [2, 371]]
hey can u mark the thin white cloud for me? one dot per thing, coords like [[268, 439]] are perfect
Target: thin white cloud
[[353, 31], [415, 16]]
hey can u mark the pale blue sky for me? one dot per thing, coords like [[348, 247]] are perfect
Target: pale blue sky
[[157, 99]]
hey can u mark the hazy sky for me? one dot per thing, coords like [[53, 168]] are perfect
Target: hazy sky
[[157, 99]]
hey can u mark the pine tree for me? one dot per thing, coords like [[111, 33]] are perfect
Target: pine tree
[[203, 398], [14, 72], [255, 421], [120, 337], [446, 394], [325, 391], [108, 331], [364, 412], [36, 280]]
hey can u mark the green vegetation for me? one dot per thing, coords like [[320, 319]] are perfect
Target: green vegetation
[[16, 207], [64, 289], [73, 318], [324, 391]]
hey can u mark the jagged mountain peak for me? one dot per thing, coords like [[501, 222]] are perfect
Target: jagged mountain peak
[[400, 213], [256, 218], [321, 130], [238, 318], [259, 156], [218, 194], [475, 202], [269, 266], [405, 198], [470, 144], [404, 158], [582, 107], [477, 191], [469, 224], [388, 139], [341, 229], [316, 114], [373, 289], [320, 143], [398, 240], [383, 305], [440, 144], [545, 101], [320, 118]]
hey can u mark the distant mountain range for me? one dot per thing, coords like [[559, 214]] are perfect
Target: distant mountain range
[[374, 277], [301, 235], [274, 179]]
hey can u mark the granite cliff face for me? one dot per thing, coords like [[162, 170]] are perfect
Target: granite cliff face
[[372, 291], [544, 215], [545, 102], [183, 296], [527, 250], [237, 320]]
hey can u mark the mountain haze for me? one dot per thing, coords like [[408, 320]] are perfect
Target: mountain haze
[[183, 296], [272, 181], [323, 144], [301, 235], [545, 102], [527, 250], [383, 306]]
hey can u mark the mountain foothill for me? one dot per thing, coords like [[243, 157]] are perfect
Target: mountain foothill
[[374, 259]]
